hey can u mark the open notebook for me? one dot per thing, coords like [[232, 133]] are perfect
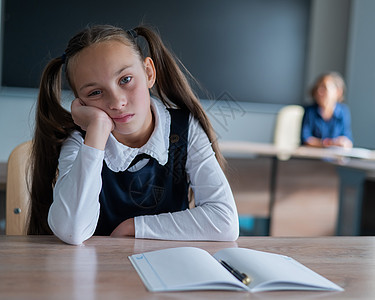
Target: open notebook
[[189, 268]]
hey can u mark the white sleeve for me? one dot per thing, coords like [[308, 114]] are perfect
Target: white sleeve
[[74, 212], [215, 215]]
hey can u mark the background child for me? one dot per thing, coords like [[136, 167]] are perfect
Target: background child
[[327, 122], [122, 161]]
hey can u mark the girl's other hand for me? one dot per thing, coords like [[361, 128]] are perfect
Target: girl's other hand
[[125, 228]]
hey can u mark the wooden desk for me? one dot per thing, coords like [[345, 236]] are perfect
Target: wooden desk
[[353, 166], [42, 267], [249, 148]]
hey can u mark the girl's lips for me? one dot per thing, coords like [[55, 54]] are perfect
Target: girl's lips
[[123, 119]]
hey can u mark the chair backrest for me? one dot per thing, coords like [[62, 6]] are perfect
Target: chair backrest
[[288, 130], [17, 195]]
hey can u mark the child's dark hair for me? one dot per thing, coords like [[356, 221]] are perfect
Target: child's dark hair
[[54, 124]]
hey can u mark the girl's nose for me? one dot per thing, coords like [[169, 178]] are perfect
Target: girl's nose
[[118, 101]]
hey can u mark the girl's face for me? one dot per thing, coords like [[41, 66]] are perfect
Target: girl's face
[[327, 92], [111, 77]]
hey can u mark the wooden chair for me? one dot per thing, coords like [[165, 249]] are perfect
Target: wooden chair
[[17, 195]]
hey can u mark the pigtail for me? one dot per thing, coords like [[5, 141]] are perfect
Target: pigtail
[[172, 85], [53, 125]]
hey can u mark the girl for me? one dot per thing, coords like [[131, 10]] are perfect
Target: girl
[[326, 123], [122, 162]]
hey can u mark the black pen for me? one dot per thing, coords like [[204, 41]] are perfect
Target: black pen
[[240, 276]]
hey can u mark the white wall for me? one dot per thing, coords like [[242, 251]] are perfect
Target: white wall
[[361, 72], [16, 119], [1, 36], [327, 48]]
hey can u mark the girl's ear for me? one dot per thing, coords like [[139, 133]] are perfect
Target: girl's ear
[[150, 72]]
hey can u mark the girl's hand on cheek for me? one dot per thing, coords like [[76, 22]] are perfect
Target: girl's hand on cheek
[[96, 122], [84, 115]]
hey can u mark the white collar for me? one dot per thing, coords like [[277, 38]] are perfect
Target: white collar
[[118, 156]]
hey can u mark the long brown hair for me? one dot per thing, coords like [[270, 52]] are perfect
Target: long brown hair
[[54, 124]]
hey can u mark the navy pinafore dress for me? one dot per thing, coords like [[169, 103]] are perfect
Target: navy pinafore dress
[[154, 189]]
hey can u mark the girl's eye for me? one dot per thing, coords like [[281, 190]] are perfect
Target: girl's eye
[[94, 93], [125, 80]]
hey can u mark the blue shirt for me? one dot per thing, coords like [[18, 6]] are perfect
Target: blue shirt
[[313, 125]]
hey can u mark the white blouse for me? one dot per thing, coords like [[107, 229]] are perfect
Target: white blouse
[[74, 213]]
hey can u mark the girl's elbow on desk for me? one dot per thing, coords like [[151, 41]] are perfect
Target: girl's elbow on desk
[[229, 235], [69, 238], [72, 240], [228, 227], [69, 234], [231, 232]]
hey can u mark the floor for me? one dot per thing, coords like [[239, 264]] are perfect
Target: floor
[[306, 194]]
